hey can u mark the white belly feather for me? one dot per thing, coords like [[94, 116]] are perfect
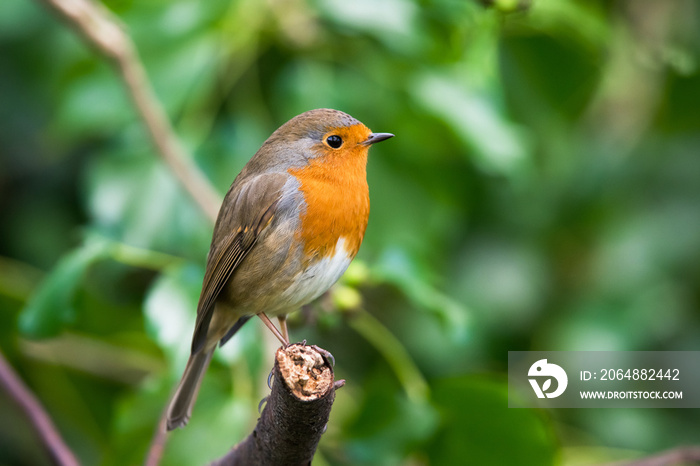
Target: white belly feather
[[319, 277]]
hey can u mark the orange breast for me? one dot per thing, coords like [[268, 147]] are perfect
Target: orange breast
[[337, 201]]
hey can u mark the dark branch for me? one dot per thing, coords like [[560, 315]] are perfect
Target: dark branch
[[296, 412], [24, 398]]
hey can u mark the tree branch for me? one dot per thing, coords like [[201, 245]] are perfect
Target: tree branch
[[158, 441], [675, 457], [102, 30], [296, 412], [24, 398]]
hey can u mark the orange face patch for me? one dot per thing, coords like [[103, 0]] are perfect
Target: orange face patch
[[334, 185]]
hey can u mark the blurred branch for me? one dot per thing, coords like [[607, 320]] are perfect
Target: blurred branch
[[296, 412], [24, 398], [100, 29], [632, 82], [676, 457], [158, 441], [90, 355], [393, 352]]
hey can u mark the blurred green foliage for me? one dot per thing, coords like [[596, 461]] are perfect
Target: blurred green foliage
[[543, 192]]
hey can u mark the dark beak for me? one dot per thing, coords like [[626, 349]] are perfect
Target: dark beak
[[376, 137]]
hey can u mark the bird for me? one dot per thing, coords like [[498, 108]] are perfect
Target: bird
[[288, 227]]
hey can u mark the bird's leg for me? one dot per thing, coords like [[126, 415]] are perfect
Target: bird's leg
[[274, 330], [283, 327]]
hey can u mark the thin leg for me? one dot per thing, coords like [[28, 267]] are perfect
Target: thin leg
[[283, 327], [274, 330]]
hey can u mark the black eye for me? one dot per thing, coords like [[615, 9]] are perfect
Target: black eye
[[334, 141]]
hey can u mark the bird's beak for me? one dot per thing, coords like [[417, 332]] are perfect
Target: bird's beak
[[376, 137]]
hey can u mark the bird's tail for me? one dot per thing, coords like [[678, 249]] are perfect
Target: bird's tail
[[180, 408]]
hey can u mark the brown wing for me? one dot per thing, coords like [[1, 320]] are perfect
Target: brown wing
[[248, 209]]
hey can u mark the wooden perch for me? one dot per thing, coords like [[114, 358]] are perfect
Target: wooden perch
[[296, 412]]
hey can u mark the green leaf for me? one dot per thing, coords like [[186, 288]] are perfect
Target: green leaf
[[479, 428], [387, 427], [499, 146], [394, 352], [51, 306], [391, 21], [397, 268], [136, 199], [170, 308]]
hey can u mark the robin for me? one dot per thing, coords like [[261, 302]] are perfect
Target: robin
[[288, 228]]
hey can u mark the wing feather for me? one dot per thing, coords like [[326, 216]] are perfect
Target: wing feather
[[255, 204]]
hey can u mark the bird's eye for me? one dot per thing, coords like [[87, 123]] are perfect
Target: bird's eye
[[334, 141]]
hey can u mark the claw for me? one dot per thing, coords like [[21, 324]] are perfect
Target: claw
[[269, 379], [327, 356], [260, 405]]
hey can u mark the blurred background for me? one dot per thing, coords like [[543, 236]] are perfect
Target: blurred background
[[542, 193]]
